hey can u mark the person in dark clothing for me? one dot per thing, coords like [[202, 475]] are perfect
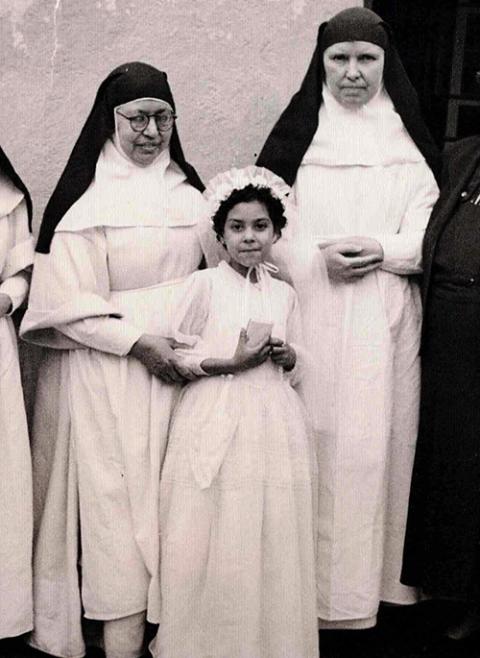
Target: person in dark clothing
[[442, 547]]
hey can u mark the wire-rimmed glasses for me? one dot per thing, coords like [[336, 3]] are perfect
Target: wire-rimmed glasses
[[164, 120]]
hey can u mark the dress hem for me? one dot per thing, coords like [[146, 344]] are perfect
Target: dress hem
[[112, 616], [13, 634], [44, 649], [347, 624]]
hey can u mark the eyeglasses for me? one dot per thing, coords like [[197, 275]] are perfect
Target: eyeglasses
[[163, 120]]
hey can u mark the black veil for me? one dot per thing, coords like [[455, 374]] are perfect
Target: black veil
[[287, 143]]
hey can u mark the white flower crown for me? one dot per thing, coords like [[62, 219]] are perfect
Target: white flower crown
[[222, 185]]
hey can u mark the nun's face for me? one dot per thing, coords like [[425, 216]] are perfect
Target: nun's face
[[145, 146], [353, 71]]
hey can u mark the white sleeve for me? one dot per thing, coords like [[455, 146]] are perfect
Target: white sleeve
[[402, 253], [86, 258], [19, 258], [294, 337], [190, 318], [70, 295]]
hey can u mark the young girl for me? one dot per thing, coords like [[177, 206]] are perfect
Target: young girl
[[239, 479]]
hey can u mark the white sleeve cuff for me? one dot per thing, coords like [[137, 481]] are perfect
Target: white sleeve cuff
[[16, 287], [402, 252], [192, 361]]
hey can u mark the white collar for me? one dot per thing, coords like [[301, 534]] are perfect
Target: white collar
[[124, 194], [370, 135]]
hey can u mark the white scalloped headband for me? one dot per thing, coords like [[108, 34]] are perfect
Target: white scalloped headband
[[221, 186]]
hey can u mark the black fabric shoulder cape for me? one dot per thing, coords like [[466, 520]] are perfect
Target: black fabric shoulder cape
[[126, 83], [286, 145]]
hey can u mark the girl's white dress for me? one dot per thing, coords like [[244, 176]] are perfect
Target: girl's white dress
[[238, 487], [16, 254]]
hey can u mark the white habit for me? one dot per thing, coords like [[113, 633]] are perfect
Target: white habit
[[116, 265], [16, 255], [361, 176]]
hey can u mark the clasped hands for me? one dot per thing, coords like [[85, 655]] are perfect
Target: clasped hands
[[158, 356], [249, 355], [352, 257]]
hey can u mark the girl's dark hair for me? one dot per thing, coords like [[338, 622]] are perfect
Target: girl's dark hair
[[247, 194]]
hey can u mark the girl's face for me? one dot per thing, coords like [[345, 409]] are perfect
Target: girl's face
[[353, 71], [248, 235]]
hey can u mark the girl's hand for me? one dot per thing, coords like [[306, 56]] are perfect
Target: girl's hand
[[344, 262], [5, 304], [157, 355], [249, 355], [282, 354]]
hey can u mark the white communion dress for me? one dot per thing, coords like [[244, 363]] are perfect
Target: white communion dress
[[116, 264], [16, 255], [238, 488], [361, 176]]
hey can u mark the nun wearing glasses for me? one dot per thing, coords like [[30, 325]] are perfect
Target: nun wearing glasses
[[121, 231]]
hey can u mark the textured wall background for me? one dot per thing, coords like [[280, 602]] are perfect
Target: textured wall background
[[232, 66]]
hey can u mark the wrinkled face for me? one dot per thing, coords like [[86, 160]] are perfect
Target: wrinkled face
[[353, 71], [248, 235], [142, 147]]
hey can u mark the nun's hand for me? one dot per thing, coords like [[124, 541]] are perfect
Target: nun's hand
[[159, 358], [370, 246], [353, 259], [5, 304]]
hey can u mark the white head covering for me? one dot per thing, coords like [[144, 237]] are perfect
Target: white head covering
[[124, 193], [10, 196], [372, 134], [221, 186]]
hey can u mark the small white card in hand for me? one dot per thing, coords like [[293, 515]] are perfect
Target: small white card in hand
[[258, 331]]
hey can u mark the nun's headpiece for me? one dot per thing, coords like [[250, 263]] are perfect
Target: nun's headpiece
[[292, 134], [355, 24], [125, 83], [9, 172]]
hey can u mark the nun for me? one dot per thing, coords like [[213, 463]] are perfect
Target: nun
[[354, 146], [16, 258], [121, 231]]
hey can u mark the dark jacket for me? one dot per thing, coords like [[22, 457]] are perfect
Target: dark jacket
[[460, 163]]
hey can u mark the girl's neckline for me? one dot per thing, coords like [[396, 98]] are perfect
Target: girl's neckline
[[238, 275]]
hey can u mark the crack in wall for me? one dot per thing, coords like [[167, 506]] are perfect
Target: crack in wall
[[55, 41]]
